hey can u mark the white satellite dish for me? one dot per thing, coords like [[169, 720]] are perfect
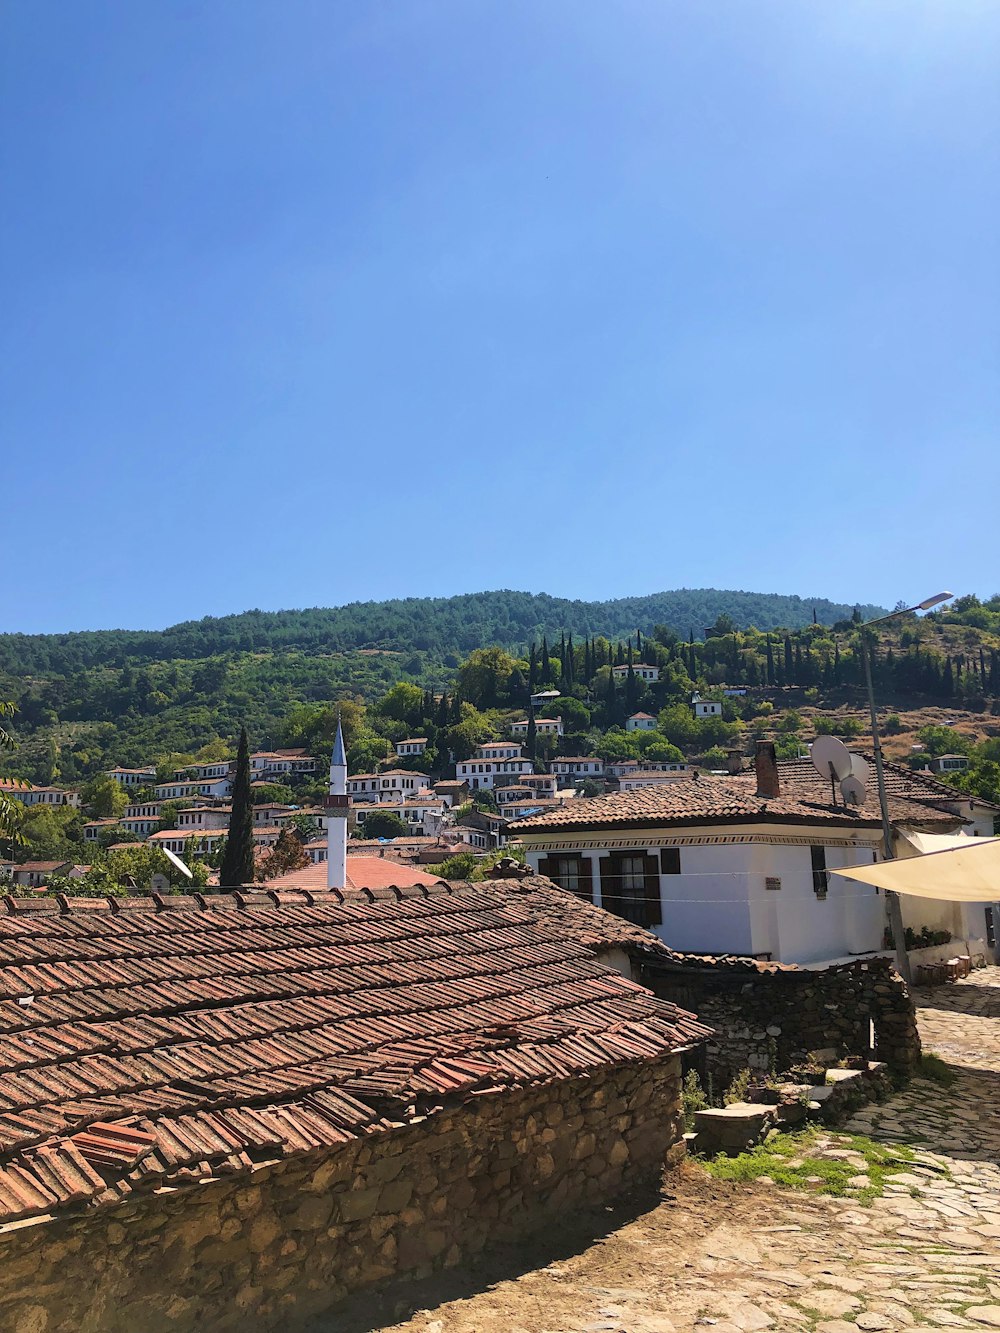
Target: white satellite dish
[[860, 769], [853, 791], [175, 860], [831, 758]]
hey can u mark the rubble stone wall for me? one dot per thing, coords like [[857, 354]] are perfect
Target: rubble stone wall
[[767, 1020], [267, 1251]]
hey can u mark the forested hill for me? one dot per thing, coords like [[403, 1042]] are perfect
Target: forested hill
[[438, 626]]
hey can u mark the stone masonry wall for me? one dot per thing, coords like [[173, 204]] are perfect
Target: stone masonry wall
[[268, 1250], [764, 1019]]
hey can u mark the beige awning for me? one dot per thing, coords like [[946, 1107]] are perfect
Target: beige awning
[[951, 869]]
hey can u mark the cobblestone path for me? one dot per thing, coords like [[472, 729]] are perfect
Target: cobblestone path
[[736, 1259]]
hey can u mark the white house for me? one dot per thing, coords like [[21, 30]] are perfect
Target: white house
[[141, 825], [640, 778], [641, 670], [396, 784], [544, 726], [220, 769], [28, 794], [617, 768], [641, 722], [542, 698], [575, 767], [180, 790], [423, 815], [203, 817], [493, 764], [705, 707], [725, 865], [950, 763], [132, 777], [415, 745]]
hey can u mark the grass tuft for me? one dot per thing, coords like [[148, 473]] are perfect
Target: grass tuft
[[934, 1068], [789, 1160]]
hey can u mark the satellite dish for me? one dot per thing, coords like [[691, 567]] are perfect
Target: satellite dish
[[853, 791], [831, 758], [860, 769], [176, 861]]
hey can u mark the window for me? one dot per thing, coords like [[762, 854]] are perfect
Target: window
[[819, 871], [670, 861], [630, 887]]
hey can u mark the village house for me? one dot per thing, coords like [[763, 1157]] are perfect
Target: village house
[[544, 726], [187, 842], [415, 745], [315, 1130], [219, 769], [94, 827], [617, 768], [949, 763], [739, 866], [36, 874], [28, 794], [705, 707], [396, 784], [424, 815], [641, 670], [543, 698], [542, 784], [141, 825], [279, 764], [132, 777], [640, 722], [575, 767], [493, 764], [453, 792], [202, 817], [186, 790], [639, 778]]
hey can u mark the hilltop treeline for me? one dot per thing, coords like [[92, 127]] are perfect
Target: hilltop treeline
[[441, 627]]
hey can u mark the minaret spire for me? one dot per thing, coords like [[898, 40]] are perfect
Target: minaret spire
[[336, 815]]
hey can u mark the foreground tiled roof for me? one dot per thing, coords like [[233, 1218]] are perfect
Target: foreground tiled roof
[[160, 1041], [731, 800], [798, 776]]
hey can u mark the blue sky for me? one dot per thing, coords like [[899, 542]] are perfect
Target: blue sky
[[309, 301]]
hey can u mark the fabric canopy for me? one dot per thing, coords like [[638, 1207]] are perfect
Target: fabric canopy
[[957, 870]]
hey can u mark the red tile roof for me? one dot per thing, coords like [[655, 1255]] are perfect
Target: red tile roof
[[363, 872], [799, 775], [732, 800], [146, 1042]]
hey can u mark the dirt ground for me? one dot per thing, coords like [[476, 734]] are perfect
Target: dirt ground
[[739, 1257]]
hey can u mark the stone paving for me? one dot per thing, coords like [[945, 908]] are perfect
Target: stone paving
[[924, 1255]]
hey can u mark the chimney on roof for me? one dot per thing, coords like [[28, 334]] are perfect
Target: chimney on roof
[[734, 761], [766, 764]]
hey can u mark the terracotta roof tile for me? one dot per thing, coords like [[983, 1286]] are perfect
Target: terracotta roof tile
[[142, 1046], [730, 800]]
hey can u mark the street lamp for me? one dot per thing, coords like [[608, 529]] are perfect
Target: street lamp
[[892, 899]]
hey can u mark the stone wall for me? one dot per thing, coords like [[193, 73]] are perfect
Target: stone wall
[[768, 1017], [267, 1250]]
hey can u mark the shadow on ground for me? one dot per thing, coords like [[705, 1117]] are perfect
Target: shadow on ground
[[369, 1311]]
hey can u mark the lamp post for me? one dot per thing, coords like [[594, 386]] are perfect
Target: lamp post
[[892, 899]]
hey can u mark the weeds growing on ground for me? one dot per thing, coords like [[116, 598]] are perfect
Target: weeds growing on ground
[[791, 1160], [934, 1068]]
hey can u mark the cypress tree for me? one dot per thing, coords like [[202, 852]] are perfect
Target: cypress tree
[[442, 716], [532, 669], [770, 661], [531, 735], [545, 669], [570, 660], [237, 863], [789, 662]]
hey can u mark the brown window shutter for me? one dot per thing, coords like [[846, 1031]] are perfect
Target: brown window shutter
[[586, 879], [610, 897], [547, 866], [654, 904], [670, 860]]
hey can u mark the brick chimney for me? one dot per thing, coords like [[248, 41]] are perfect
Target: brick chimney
[[734, 761], [766, 764]]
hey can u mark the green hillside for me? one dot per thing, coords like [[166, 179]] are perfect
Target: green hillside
[[441, 627]]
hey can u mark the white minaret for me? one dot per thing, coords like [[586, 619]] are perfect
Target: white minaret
[[336, 816]]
